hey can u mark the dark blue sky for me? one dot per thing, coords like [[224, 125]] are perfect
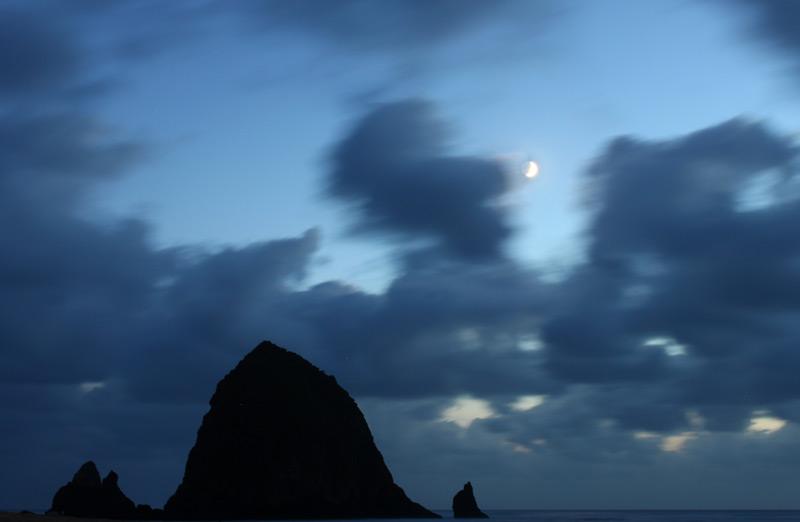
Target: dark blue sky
[[179, 181]]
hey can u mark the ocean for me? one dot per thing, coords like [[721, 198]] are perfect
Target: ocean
[[590, 515], [638, 516]]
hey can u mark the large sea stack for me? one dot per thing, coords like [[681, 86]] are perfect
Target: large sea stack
[[283, 440]]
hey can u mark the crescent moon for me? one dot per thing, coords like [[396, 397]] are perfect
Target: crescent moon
[[533, 170]]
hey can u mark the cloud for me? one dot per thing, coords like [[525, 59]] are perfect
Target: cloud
[[105, 333], [62, 150], [109, 342], [36, 55], [56, 269], [399, 41], [56, 48], [395, 169], [775, 21], [680, 326], [673, 255], [677, 330], [393, 25], [51, 56]]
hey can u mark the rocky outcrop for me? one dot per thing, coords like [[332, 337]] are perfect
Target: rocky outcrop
[[465, 506], [85, 496], [116, 504], [283, 440]]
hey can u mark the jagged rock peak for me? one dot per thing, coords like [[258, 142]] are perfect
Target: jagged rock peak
[[87, 476], [85, 496], [116, 504], [111, 480], [464, 504], [283, 440]]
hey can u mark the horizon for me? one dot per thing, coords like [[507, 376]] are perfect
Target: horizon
[[352, 181]]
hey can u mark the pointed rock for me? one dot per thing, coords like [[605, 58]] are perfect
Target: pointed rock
[[115, 503], [85, 496], [465, 506], [80, 497], [283, 440], [87, 476]]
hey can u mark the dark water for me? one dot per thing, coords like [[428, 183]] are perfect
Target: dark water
[[639, 516], [533, 515]]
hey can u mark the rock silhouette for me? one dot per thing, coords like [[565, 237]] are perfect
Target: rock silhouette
[[465, 506], [145, 512], [283, 440], [85, 496]]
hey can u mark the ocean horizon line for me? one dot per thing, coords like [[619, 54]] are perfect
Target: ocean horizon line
[[568, 514]]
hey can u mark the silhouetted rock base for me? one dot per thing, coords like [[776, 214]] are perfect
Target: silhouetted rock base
[[145, 512], [85, 496], [465, 506]]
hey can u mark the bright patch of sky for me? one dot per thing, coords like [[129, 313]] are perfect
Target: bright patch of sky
[[676, 442], [527, 402], [90, 386], [465, 410], [765, 424], [669, 345]]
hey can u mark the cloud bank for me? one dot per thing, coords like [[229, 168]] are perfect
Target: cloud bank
[[678, 326]]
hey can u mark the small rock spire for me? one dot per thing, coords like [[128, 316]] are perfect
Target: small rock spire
[[464, 504]]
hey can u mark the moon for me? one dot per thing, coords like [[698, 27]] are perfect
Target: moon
[[532, 170]]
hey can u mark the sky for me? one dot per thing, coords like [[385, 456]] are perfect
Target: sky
[[180, 181]]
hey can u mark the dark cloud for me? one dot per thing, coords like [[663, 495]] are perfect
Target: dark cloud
[[677, 261], [84, 50], [407, 31], [51, 55], [678, 325], [775, 22], [207, 313], [394, 24], [688, 199], [395, 170], [63, 147], [404, 41], [65, 281], [148, 29], [456, 329], [68, 54], [36, 54]]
